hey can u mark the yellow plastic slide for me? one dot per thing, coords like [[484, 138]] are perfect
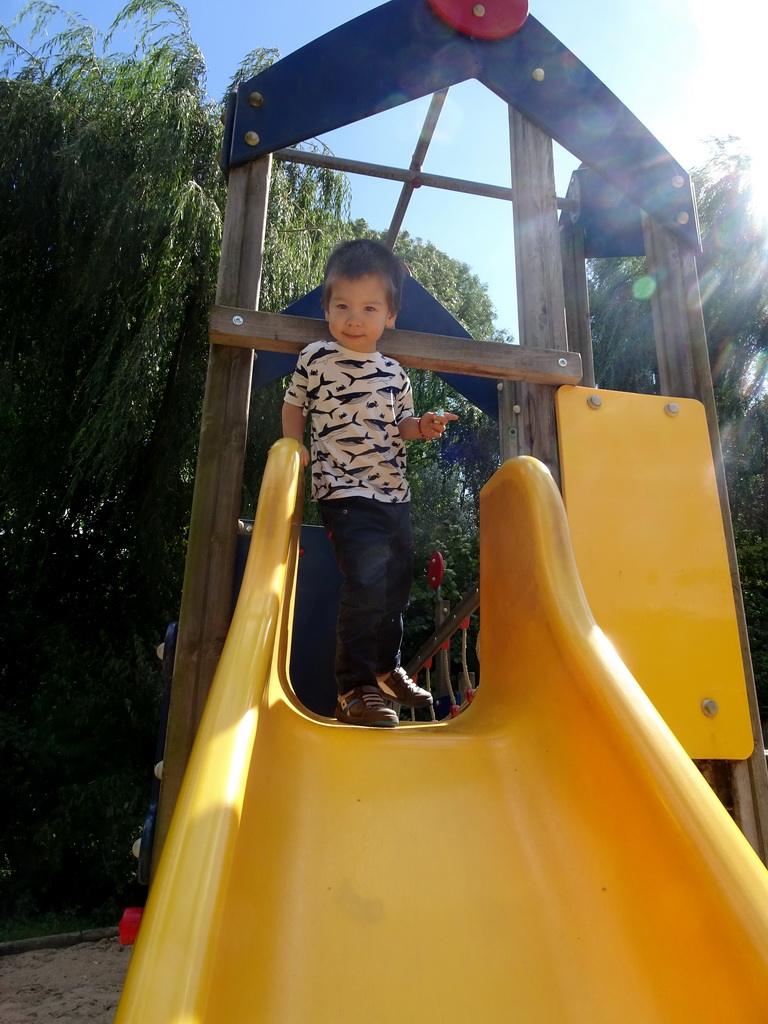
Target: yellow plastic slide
[[551, 856]]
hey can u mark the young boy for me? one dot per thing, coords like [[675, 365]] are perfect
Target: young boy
[[362, 413]]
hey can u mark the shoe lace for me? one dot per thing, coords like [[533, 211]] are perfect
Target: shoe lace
[[372, 698], [402, 675]]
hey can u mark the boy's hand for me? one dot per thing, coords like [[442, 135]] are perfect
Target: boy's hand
[[304, 456], [432, 424]]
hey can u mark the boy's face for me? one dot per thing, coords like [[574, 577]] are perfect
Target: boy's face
[[358, 312]]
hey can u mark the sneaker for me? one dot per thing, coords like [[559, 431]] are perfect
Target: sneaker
[[399, 686], [365, 706]]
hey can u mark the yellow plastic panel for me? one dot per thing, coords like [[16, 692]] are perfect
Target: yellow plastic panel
[[639, 487], [550, 856]]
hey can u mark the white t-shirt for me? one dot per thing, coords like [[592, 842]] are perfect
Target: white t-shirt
[[356, 400]]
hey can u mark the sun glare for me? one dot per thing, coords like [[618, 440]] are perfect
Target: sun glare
[[729, 80]]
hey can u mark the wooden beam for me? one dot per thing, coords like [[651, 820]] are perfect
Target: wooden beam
[[279, 332], [206, 601], [683, 355], [414, 178], [425, 137], [670, 313]]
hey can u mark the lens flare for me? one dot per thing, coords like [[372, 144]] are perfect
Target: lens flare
[[643, 288]]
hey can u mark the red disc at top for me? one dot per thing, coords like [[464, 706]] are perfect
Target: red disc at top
[[490, 19]]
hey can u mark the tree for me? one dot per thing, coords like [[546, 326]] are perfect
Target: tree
[[111, 206], [622, 325]]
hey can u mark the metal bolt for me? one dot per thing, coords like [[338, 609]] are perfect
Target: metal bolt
[[562, 362], [500, 386], [538, 74], [678, 181], [594, 401], [251, 138], [671, 408], [512, 432], [479, 11], [256, 99], [682, 218], [709, 707], [516, 410], [237, 321]]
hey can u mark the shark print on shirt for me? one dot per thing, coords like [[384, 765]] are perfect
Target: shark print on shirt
[[356, 443]]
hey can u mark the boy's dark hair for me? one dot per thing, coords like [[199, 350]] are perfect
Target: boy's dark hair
[[365, 256]]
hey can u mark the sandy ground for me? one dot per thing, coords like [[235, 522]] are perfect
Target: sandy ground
[[65, 986]]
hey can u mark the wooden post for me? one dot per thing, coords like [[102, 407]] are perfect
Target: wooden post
[[206, 602], [684, 369], [442, 659], [576, 294], [541, 317]]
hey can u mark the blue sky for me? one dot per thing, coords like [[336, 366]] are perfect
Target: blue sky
[[689, 70]]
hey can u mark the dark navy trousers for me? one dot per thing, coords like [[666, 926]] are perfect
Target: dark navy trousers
[[373, 544]]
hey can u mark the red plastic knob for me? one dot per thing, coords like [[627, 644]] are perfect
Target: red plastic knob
[[488, 19], [435, 570]]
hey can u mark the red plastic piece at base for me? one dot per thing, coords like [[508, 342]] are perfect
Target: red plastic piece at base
[[447, 645], [435, 570], [465, 623], [455, 710], [487, 19], [129, 925]]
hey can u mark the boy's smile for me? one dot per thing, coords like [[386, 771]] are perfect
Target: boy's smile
[[358, 312]]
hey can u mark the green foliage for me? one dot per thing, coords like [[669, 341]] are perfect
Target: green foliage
[[753, 565], [622, 325], [732, 277], [449, 280], [111, 205]]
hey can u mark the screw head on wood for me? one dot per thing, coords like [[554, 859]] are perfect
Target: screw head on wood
[[237, 321], [251, 138]]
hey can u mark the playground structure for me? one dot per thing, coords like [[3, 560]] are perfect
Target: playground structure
[[603, 875]]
